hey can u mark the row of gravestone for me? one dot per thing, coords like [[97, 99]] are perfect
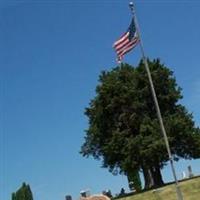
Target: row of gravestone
[[122, 192]]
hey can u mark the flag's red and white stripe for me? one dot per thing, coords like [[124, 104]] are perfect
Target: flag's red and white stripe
[[123, 45]]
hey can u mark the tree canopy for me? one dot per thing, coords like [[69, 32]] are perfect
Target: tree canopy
[[23, 193], [123, 127]]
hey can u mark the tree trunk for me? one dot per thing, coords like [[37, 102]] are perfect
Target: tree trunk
[[148, 179], [157, 176]]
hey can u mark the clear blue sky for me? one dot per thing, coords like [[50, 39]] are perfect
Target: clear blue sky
[[51, 53]]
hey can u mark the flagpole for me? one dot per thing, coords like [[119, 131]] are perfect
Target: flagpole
[[178, 191]]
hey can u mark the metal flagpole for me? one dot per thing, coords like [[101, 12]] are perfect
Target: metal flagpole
[[178, 191]]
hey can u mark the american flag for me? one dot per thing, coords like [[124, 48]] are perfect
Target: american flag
[[126, 42]]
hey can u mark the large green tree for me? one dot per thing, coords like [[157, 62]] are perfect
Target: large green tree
[[123, 127], [23, 193]]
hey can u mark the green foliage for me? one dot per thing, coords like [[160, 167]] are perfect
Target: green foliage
[[134, 181], [123, 127], [23, 193]]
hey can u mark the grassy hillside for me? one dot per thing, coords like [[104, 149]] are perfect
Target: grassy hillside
[[190, 189]]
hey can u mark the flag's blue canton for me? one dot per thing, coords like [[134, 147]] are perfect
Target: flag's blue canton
[[132, 30]]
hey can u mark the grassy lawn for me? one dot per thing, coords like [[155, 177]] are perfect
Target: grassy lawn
[[190, 189]]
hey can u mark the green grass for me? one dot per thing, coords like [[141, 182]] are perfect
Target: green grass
[[190, 189]]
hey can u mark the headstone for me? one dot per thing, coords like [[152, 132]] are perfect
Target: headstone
[[190, 174], [122, 192], [85, 193], [68, 197], [183, 175]]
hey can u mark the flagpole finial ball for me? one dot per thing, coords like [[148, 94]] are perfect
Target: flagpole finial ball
[[131, 4]]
